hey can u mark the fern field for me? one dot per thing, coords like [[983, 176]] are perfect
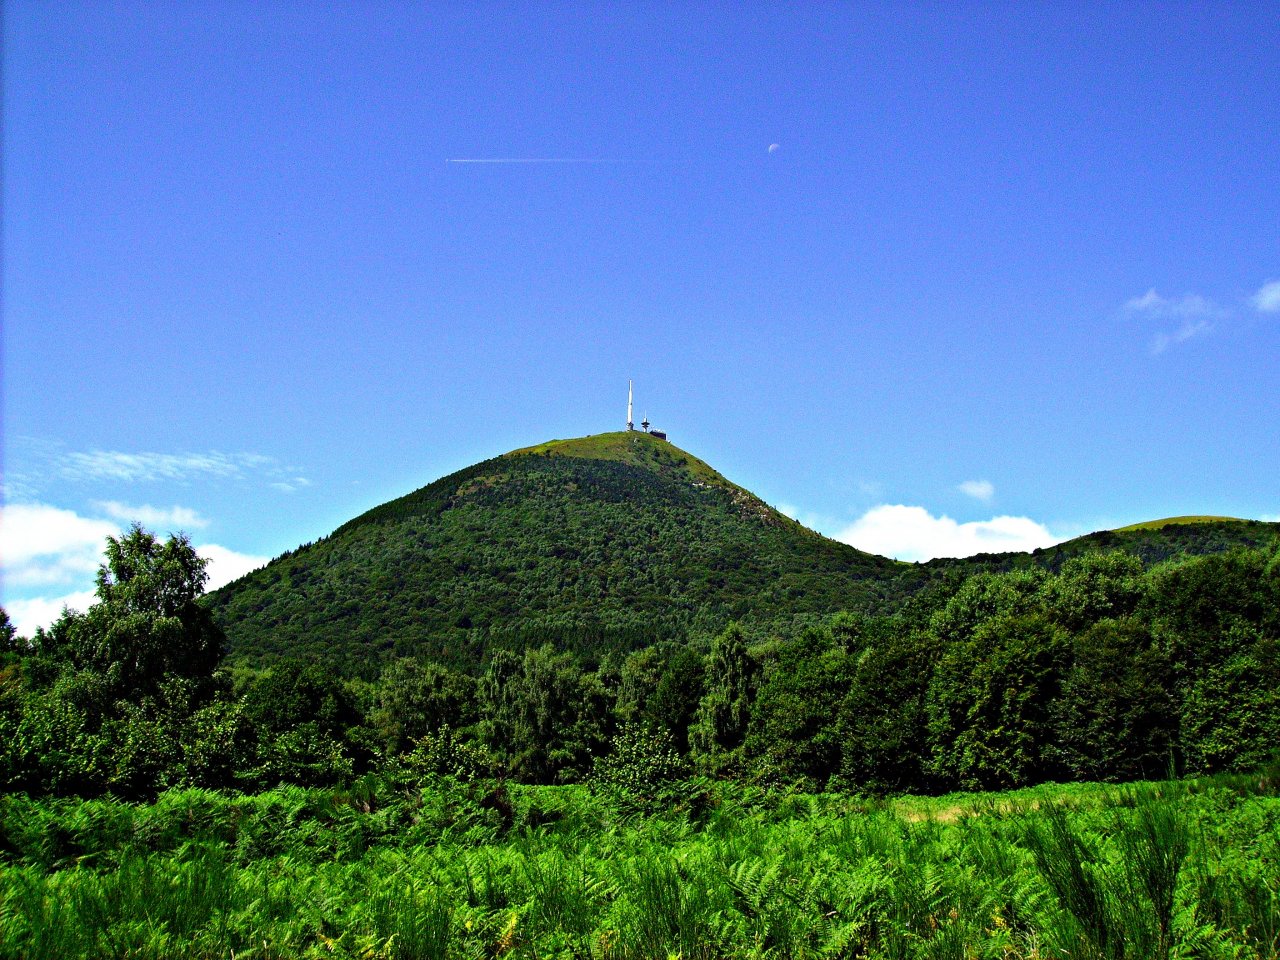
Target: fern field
[[380, 871]]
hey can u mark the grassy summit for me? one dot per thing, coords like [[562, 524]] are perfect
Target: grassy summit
[[632, 447]]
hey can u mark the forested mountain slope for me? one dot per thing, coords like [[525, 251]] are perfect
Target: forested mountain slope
[[606, 542]]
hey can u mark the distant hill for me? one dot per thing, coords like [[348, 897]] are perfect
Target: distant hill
[[1174, 521], [607, 542], [1153, 542]]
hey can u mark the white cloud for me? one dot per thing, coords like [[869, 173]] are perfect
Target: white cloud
[[42, 545], [1267, 299], [1148, 301], [45, 460], [169, 518], [789, 510], [26, 615], [1189, 329], [982, 490], [1195, 314], [912, 533], [1192, 305], [291, 485], [16, 487], [227, 565], [118, 465]]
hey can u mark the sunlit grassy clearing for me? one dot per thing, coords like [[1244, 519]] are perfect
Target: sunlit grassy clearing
[[1175, 521]]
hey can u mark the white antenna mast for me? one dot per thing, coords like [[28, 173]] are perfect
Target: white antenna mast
[[630, 424]]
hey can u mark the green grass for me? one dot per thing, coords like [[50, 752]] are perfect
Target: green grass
[[633, 447], [1153, 870], [1175, 521]]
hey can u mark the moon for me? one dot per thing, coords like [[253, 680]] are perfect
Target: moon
[[773, 148]]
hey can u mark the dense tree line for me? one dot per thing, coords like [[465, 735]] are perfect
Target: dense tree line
[[1107, 669]]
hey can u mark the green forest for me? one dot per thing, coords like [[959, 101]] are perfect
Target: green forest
[[746, 794], [1108, 669], [591, 699]]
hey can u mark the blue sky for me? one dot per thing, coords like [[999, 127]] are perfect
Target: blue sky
[[1012, 272]]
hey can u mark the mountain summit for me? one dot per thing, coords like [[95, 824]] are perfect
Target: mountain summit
[[603, 542]]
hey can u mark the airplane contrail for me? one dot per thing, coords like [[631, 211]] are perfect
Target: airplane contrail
[[529, 160]]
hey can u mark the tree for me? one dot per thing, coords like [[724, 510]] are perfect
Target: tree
[[111, 690], [146, 625], [983, 597], [1219, 618], [1116, 718], [661, 686], [1205, 608], [295, 693], [415, 699], [639, 678], [1093, 587], [793, 723], [643, 771], [724, 713], [544, 714], [990, 704], [1231, 714], [8, 633], [674, 703], [882, 724], [308, 726]]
